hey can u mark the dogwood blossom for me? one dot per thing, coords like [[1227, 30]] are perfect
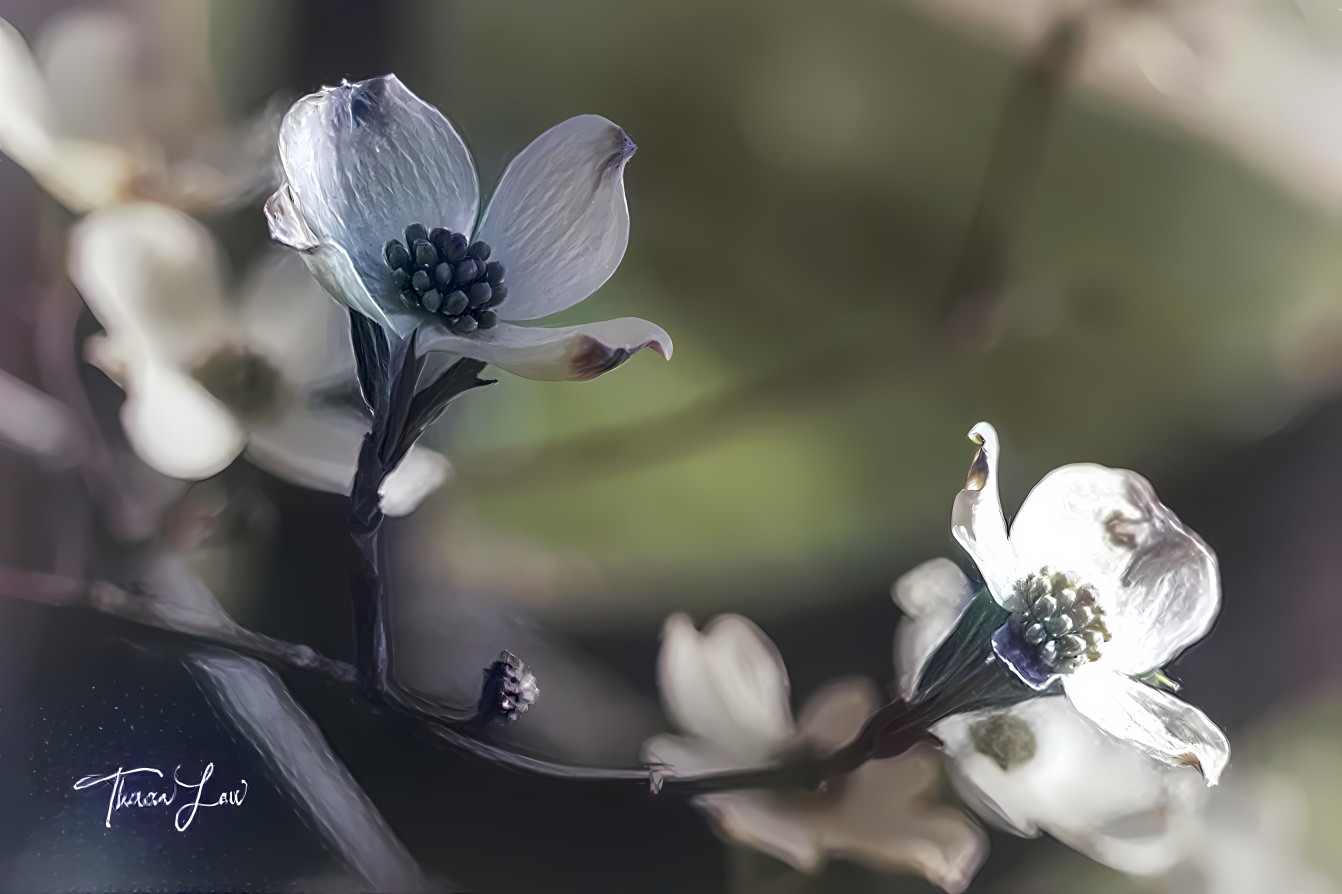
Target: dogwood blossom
[[1039, 766], [365, 164], [208, 375], [84, 118], [727, 690], [1104, 584]]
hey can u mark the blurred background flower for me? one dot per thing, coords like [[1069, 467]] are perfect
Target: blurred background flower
[[868, 224]]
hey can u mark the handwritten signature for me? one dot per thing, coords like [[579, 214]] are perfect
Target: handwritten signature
[[121, 797]]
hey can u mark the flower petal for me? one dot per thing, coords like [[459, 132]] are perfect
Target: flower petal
[[574, 353], [727, 685], [175, 425], [1165, 727], [834, 715], [888, 820], [290, 320], [26, 115], [789, 828], [361, 162], [80, 174], [151, 276], [320, 449], [1156, 580], [331, 265], [559, 221], [1039, 766], [34, 422], [688, 756], [932, 597], [977, 520]]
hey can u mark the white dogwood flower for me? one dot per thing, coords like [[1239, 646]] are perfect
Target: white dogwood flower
[[1039, 766], [1104, 584], [96, 125], [727, 690], [368, 164], [208, 375]]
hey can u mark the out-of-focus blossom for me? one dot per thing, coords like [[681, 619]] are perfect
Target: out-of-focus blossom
[[1103, 584], [368, 164], [35, 423], [83, 113], [1236, 72], [1246, 840], [208, 375], [727, 690]]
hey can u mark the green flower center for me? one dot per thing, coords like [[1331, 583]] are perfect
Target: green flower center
[[1059, 617], [1006, 739], [243, 381]]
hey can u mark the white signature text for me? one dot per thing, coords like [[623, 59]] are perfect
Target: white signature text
[[152, 790]]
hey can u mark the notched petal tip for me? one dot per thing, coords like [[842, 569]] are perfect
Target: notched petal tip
[[627, 147], [980, 469], [286, 222], [592, 357]]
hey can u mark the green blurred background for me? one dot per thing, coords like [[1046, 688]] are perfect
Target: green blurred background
[[806, 179]]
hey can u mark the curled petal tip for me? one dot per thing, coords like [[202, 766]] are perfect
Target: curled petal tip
[[594, 357], [980, 469], [983, 433]]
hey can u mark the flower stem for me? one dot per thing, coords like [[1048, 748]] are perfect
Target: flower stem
[[372, 659]]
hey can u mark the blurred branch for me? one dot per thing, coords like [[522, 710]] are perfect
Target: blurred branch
[[1014, 164], [969, 303], [139, 608], [143, 607]]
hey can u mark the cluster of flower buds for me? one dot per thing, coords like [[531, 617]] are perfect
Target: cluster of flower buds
[[441, 272], [509, 689]]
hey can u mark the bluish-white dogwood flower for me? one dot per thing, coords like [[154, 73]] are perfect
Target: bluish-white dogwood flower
[[727, 690], [366, 165], [208, 375], [1039, 766], [99, 114], [1104, 584]]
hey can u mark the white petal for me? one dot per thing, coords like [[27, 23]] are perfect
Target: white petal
[[834, 715], [151, 276], [932, 597], [573, 353], [1163, 726], [93, 62], [787, 828], [421, 473], [26, 115], [559, 222], [176, 426], [361, 162], [688, 756], [36, 423], [320, 449], [727, 685], [977, 521], [290, 320], [1156, 580], [81, 174], [332, 267], [888, 819], [1079, 785]]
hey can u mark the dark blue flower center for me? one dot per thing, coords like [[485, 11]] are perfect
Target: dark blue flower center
[[444, 273]]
